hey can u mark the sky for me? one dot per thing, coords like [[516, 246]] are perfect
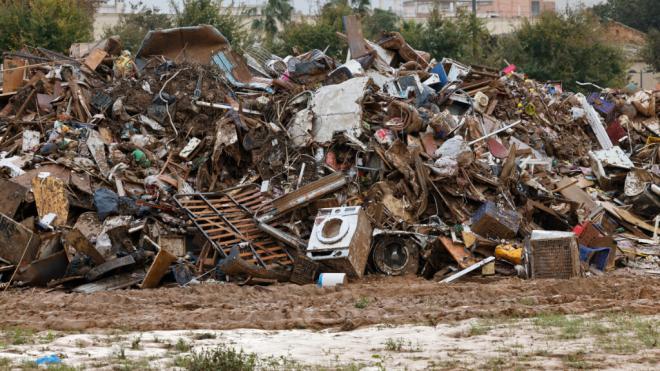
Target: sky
[[304, 5]]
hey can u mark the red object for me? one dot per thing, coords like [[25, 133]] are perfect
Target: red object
[[578, 229], [497, 149], [615, 131], [509, 69], [331, 160]]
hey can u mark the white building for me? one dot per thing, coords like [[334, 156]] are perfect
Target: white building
[[108, 15]]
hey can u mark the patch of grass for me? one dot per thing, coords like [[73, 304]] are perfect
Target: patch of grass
[[20, 336], [495, 363], [568, 328], [527, 301], [182, 346], [204, 336], [4, 363], [394, 345], [401, 345], [647, 332], [577, 361], [49, 337], [362, 303], [28, 365], [477, 329], [220, 358], [541, 353], [619, 344], [447, 364], [120, 354], [63, 367], [135, 343], [140, 364], [627, 333]]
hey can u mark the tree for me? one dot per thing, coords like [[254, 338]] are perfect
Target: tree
[[565, 47], [132, 27], [304, 36], [643, 15], [464, 38], [274, 16], [361, 6], [413, 32], [651, 51], [211, 12], [51, 24], [378, 21], [333, 12], [321, 34]]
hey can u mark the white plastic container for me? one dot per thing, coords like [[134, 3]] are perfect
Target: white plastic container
[[331, 279]]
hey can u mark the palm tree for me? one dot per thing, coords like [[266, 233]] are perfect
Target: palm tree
[[275, 14], [361, 6]]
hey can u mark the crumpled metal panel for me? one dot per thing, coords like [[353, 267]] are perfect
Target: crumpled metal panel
[[200, 43], [237, 73], [338, 108]]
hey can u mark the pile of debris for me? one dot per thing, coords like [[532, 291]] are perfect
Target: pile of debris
[[191, 162]]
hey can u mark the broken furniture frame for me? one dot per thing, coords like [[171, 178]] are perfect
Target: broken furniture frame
[[227, 219]]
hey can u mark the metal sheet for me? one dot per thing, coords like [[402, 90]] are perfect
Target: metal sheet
[[306, 194], [338, 108], [188, 44]]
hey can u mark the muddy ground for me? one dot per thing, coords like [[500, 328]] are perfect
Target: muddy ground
[[546, 342], [376, 300]]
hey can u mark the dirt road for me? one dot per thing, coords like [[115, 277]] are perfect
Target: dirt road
[[375, 300]]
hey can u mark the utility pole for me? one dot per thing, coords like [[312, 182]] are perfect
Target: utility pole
[[474, 29]]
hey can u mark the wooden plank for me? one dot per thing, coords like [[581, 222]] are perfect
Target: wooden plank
[[12, 195], [356, 43], [76, 240], [50, 195], [15, 238], [114, 282], [271, 257], [54, 170], [108, 266], [14, 72], [158, 269], [227, 205], [458, 252], [95, 58], [569, 189]]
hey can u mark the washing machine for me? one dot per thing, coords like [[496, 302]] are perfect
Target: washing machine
[[341, 239]]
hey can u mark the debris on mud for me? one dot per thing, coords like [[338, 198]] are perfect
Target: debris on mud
[[190, 162]]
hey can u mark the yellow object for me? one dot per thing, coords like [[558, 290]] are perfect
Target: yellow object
[[530, 109], [488, 269], [124, 65], [509, 253], [651, 140], [469, 238]]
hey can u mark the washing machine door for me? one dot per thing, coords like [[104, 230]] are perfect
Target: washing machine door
[[332, 230]]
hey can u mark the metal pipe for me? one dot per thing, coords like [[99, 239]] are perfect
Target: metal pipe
[[495, 132]]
